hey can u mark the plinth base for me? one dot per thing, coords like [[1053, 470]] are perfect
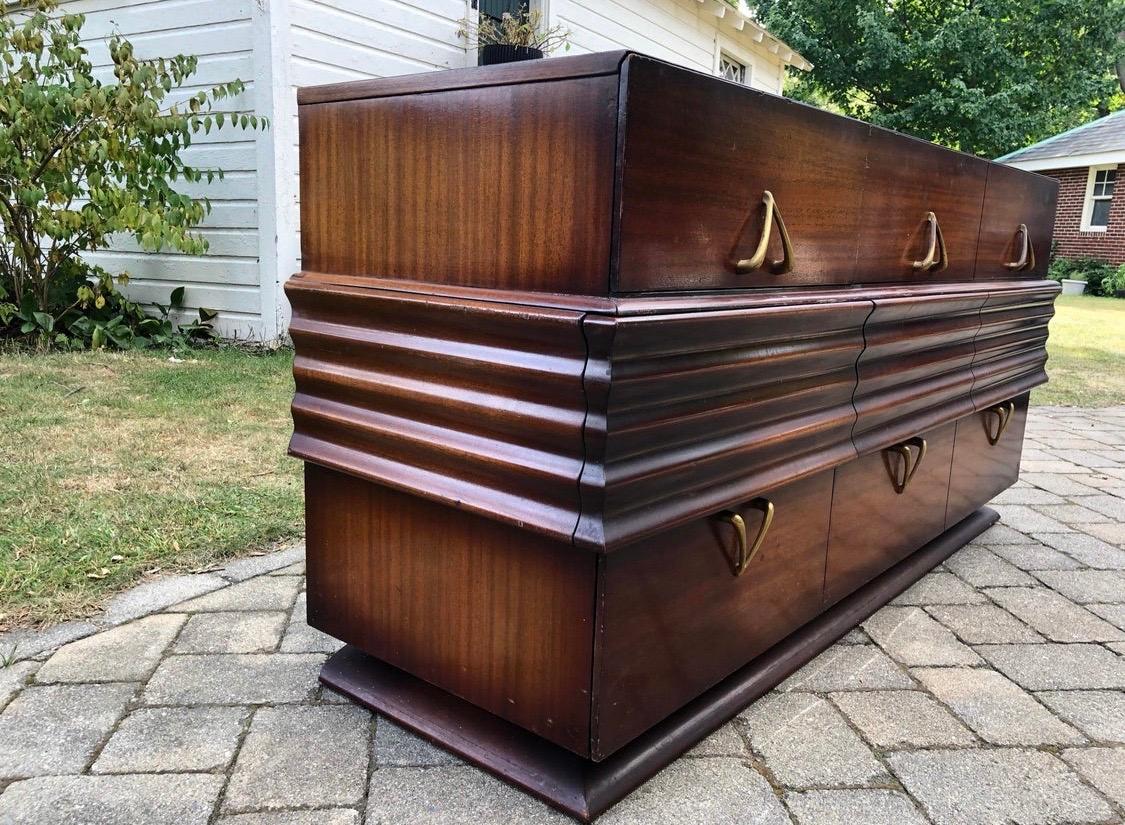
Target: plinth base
[[586, 789]]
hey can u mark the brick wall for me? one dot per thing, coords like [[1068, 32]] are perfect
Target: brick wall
[[1071, 241]]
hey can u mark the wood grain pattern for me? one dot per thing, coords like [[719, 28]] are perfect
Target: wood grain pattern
[[674, 619], [982, 470], [490, 613], [915, 372], [872, 526], [906, 179], [475, 404], [693, 412], [684, 222], [1013, 197], [501, 186], [1011, 347]]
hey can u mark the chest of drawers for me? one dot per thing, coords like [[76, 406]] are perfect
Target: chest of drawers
[[624, 390]]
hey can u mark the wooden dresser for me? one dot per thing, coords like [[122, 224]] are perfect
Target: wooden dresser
[[624, 390]]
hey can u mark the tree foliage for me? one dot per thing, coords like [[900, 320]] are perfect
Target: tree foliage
[[983, 76], [84, 156]]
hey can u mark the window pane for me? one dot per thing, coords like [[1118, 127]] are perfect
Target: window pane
[[1099, 190], [731, 69], [1100, 215], [1107, 189], [1100, 175]]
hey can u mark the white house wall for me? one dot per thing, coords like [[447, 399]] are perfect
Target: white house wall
[[685, 32], [219, 32]]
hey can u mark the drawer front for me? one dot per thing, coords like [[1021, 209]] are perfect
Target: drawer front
[[986, 456], [908, 179], [698, 154], [915, 372], [675, 618], [873, 526], [1011, 346], [1013, 197], [696, 411]]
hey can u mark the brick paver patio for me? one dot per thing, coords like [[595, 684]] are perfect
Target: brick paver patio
[[993, 691]]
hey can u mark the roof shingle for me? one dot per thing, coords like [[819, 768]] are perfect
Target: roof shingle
[[1105, 134]]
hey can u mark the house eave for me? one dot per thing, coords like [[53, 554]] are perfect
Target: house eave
[[1068, 161], [746, 24]]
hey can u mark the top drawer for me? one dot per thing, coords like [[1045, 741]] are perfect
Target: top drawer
[[1016, 228], [619, 174], [861, 204]]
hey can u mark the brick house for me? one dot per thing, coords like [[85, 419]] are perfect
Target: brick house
[[1088, 162]]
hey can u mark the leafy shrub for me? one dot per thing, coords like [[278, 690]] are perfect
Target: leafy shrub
[[117, 322], [1114, 285], [82, 160], [1090, 270]]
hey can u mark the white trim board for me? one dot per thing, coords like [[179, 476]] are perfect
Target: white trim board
[[1070, 162]]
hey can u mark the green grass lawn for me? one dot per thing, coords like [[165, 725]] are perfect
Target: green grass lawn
[[117, 465], [1087, 353]]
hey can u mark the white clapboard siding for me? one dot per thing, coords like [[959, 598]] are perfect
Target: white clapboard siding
[[331, 41], [220, 33], [685, 32]]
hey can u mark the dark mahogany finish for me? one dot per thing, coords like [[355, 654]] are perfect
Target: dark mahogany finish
[[679, 587], [572, 178], [1012, 198], [873, 526], [438, 592], [538, 385], [587, 789], [984, 465]]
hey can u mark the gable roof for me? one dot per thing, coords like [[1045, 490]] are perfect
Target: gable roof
[[1083, 145]]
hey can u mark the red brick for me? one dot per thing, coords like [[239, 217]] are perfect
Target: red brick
[[1070, 240]]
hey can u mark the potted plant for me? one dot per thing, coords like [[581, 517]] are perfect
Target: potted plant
[[1074, 286], [513, 37]]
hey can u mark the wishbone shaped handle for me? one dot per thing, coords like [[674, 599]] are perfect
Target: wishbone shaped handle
[[1027, 252], [936, 258], [755, 261], [1004, 414], [745, 554], [910, 462]]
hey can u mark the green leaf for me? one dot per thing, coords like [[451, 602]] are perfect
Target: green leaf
[[207, 315], [177, 298]]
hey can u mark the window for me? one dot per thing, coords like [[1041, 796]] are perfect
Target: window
[[1099, 196], [498, 8], [731, 69]]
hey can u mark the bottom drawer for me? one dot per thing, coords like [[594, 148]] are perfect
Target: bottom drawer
[[873, 525], [675, 618], [986, 456]]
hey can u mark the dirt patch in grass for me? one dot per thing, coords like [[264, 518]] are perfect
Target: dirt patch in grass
[[114, 466]]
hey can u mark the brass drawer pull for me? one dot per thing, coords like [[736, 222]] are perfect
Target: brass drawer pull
[[1027, 252], [936, 258], [901, 474], [755, 261], [1004, 414], [743, 557]]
